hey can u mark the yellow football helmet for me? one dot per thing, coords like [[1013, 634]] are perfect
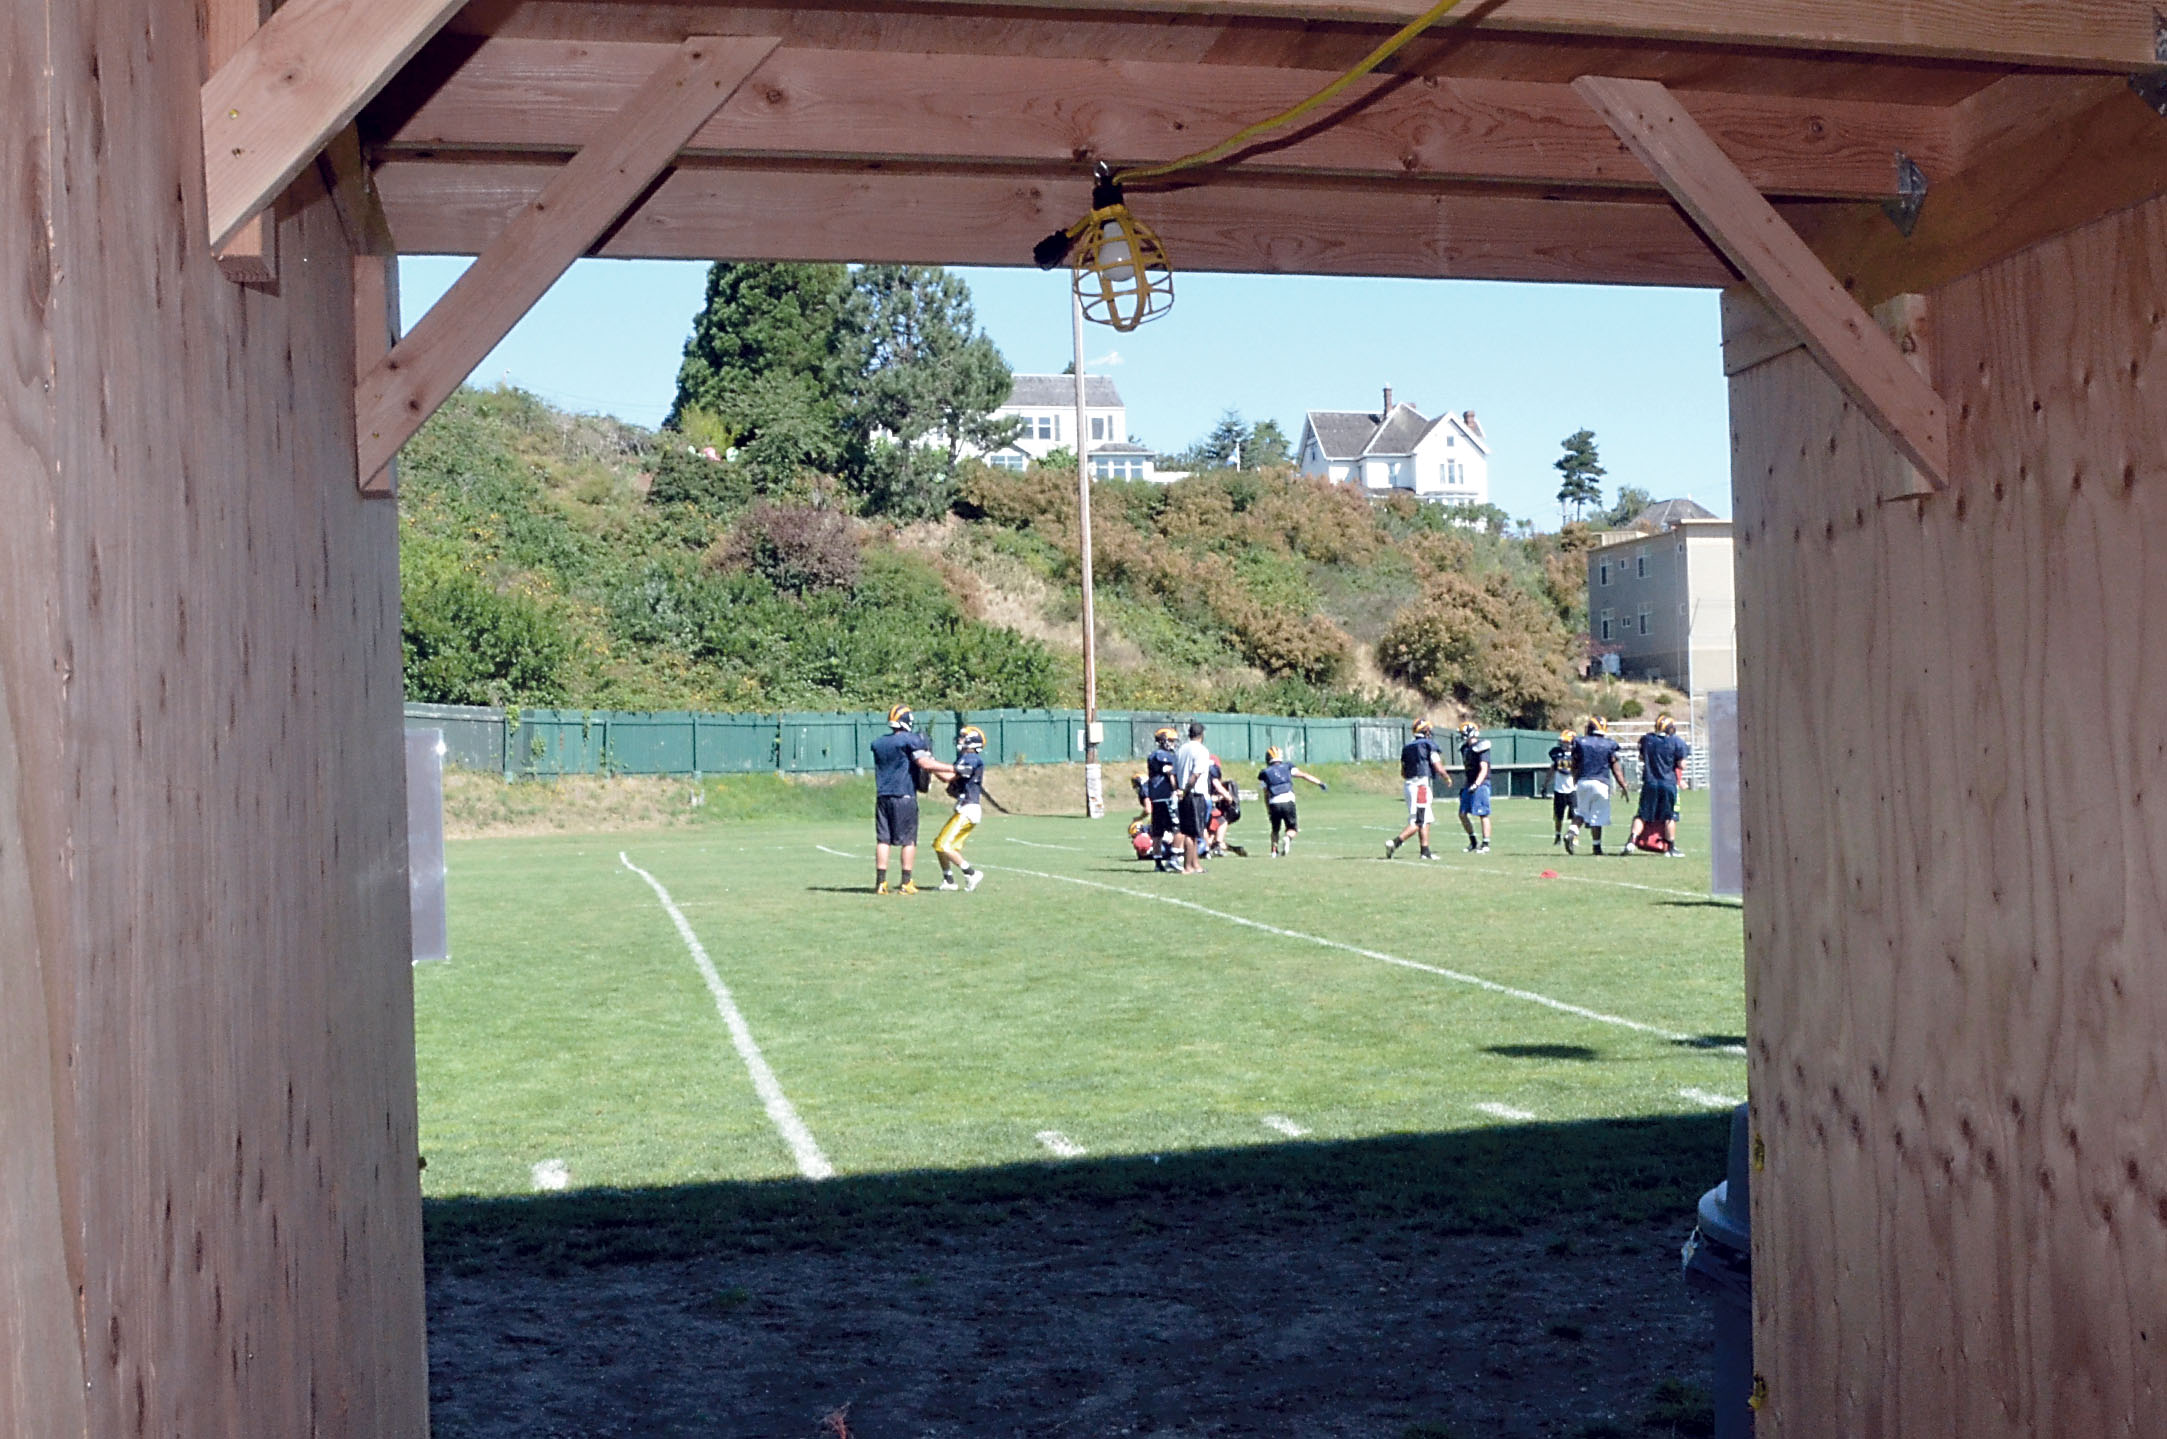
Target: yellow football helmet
[[970, 739]]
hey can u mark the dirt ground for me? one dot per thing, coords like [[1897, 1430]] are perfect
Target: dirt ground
[[1083, 1323]]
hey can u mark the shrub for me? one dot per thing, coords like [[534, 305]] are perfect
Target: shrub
[[1631, 709], [714, 487], [798, 548], [1487, 644], [464, 642]]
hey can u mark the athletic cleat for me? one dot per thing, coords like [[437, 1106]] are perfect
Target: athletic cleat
[[1673, 853], [1474, 846], [908, 888], [1598, 849], [1427, 855], [1557, 839], [881, 888], [1485, 849], [970, 881], [948, 884], [1391, 847], [1572, 841]]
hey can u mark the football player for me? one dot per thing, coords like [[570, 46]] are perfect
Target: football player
[[1278, 777], [967, 787]]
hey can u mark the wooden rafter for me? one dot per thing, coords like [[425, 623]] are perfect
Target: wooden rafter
[[2107, 36], [1858, 355], [296, 82], [1232, 224], [581, 202], [904, 109]]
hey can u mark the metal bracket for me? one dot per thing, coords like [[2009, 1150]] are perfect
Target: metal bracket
[[2151, 85], [1910, 198]]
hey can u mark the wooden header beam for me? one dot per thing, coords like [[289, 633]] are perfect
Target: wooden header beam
[[948, 109], [297, 82], [577, 205], [1230, 225], [2105, 36], [1858, 355]]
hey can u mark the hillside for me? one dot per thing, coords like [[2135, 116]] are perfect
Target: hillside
[[558, 559]]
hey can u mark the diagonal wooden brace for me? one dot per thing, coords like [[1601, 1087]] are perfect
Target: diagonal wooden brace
[[1865, 362], [299, 80], [576, 209]]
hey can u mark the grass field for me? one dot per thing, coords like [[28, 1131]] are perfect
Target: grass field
[[1076, 994]]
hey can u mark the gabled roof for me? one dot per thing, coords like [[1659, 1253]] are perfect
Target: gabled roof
[[1043, 391], [1343, 434], [1401, 432]]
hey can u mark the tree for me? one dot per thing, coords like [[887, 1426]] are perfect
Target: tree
[[1268, 447], [1632, 499], [1235, 444], [770, 361], [926, 386], [1583, 472]]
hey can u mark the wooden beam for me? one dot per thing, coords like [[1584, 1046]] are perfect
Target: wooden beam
[[540, 244], [554, 95], [353, 195], [297, 81], [2043, 156], [1233, 225], [376, 332], [1863, 360], [251, 256], [2105, 36]]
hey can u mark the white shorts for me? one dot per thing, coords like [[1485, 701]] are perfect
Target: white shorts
[[1591, 802], [1420, 794]]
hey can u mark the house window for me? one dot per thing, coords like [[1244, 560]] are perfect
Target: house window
[[1098, 428], [1645, 615], [1049, 427], [1640, 572], [1008, 460], [1606, 624], [1604, 570], [1120, 467], [1451, 440]]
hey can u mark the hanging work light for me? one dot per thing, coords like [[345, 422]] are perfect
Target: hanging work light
[[1121, 271]]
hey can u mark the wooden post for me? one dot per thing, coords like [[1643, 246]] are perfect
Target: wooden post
[[1955, 822], [1094, 780]]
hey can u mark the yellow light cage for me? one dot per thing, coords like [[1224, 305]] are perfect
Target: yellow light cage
[[1122, 274]]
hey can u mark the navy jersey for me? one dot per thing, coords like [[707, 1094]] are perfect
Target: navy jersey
[[1415, 759], [1660, 756], [969, 785], [1159, 766], [1136, 782], [894, 769], [1277, 779], [1475, 758], [1561, 768], [1592, 754]]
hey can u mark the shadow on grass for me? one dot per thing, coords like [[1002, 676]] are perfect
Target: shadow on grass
[[1497, 1181], [1699, 904], [1544, 1051], [1712, 1041]]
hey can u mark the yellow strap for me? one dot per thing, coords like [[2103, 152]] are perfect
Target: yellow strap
[[1242, 138]]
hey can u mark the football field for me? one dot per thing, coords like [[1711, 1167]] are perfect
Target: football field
[[730, 1002]]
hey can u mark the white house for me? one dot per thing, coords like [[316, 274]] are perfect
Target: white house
[[1047, 406], [1446, 460]]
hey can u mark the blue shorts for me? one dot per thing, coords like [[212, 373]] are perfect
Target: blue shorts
[[1658, 804], [1476, 801]]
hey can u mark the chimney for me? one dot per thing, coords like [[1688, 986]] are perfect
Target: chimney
[[1474, 426], [1388, 400]]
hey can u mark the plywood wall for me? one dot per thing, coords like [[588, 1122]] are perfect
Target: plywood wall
[[209, 1209], [1954, 721]]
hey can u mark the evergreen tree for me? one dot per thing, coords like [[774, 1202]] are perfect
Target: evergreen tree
[[1268, 446], [769, 361], [1583, 472], [928, 381], [1632, 499]]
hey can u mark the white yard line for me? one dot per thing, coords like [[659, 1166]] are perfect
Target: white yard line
[[811, 1162], [1285, 1126], [1456, 976], [1713, 1101], [1505, 1111], [552, 1174], [1059, 1145], [839, 854], [1072, 849]]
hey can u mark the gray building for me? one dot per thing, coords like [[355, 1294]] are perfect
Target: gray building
[[1662, 601]]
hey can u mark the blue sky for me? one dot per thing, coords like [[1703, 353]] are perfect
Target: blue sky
[[1641, 368]]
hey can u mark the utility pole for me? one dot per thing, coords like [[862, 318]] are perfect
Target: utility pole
[[1094, 782]]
